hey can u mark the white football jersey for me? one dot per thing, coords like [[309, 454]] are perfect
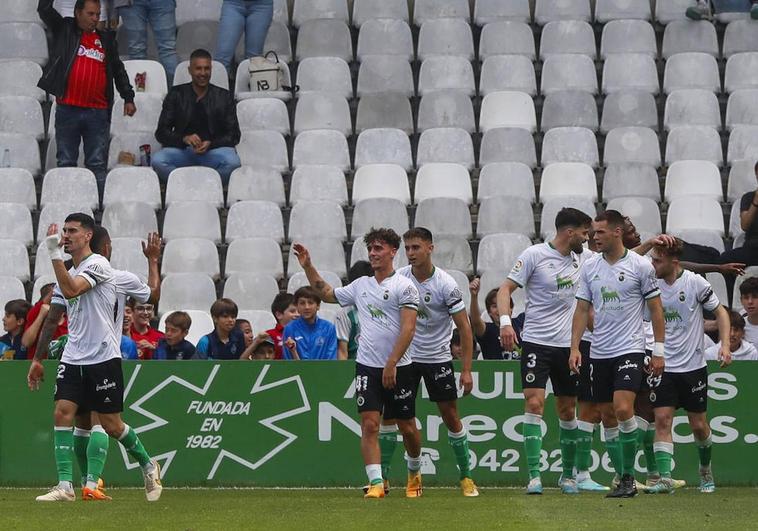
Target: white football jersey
[[440, 297], [379, 307], [746, 352], [751, 331], [128, 285]]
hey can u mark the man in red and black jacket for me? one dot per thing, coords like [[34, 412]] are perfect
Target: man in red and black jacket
[[83, 67]]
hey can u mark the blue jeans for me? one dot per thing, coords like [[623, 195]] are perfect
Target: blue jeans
[[161, 14], [251, 16], [224, 160], [92, 126]]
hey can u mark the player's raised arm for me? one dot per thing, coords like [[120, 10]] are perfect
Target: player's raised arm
[[467, 349], [657, 362], [152, 251], [507, 332], [724, 326], [407, 330], [477, 325], [71, 287], [578, 326], [325, 291], [733, 268]]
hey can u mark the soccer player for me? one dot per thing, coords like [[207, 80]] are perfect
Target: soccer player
[[617, 284], [387, 305], [684, 383], [89, 373], [550, 274]]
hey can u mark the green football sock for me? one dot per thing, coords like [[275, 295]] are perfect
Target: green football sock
[[704, 451], [613, 448], [664, 452], [459, 443], [584, 445], [651, 461], [81, 440], [568, 434], [387, 445], [133, 446], [532, 432], [63, 438], [628, 444], [97, 453]]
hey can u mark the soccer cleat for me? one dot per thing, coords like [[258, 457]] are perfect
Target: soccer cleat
[[57, 494], [568, 486], [626, 488], [679, 483], [94, 495], [386, 487], [375, 491], [662, 486], [652, 480], [588, 485], [413, 489], [707, 485], [534, 486], [699, 12], [153, 487], [469, 488]]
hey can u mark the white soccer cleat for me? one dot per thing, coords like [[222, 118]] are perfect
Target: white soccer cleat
[[57, 494], [153, 487]]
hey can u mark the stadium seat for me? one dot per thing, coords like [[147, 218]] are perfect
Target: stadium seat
[[11, 288], [264, 149], [567, 37], [23, 151], [324, 74], [385, 73], [317, 219], [126, 255], [254, 255], [691, 107], [186, 291], [453, 252], [570, 144], [251, 291], [298, 280], [263, 114], [195, 183], [718, 283], [19, 11], [129, 220], [445, 144], [631, 179], [548, 10], [735, 225], [18, 187], [443, 180], [492, 11], [692, 70], [324, 38], [132, 184], [499, 250], [643, 212], [367, 10], [328, 253], [383, 146], [629, 109], [202, 324], [23, 40], [444, 216], [632, 144], [21, 115], [508, 72], [321, 110], [569, 109], [505, 178], [742, 179], [446, 109], [507, 109], [694, 143], [145, 120], [359, 252], [15, 262], [424, 10], [385, 37], [445, 36], [192, 10], [667, 11], [508, 144], [57, 213], [70, 185], [607, 10], [260, 320], [318, 183], [191, 219], [566, 179], [742, 108], [155, 75], [242, 84], [278, 40], [693, 177], [695, 213], [378, 212], [703, 237], [385, 111], [381, 180], [16, 223], [628, 36], [325, 147], [254, 219], [505, 214], [304, 10], [551, 208], [740, 36], [219, 76], [740, 72], [200, 33], [250, 183], [446, 73], [743, 143], [190, 255], [493, 279], [624, 72], [24, 80], [568, 72], [690, 36], [130, 143], [461, 279], [506, 38]]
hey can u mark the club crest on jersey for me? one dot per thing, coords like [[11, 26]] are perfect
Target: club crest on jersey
[[621, 276], [360, 400], [427, 297], [386, 295], [530, 377], [682, 296]]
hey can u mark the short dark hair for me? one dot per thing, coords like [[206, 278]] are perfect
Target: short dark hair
[[614, 218], [281, 302], [239, 322], [201, 53], [224, 307], [455, 339], [384, 235], [306, 292], [491, 298], [131, 302], [179, 319], [421, 233], [45, 290], [736, 320], [18, 308], [79, 5], [749, 287], [359, 269], [573, 218], [99, 237], [85, 220], [672, 251]]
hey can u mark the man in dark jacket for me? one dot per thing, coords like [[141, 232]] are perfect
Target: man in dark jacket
[[198, 124], [84, 64]]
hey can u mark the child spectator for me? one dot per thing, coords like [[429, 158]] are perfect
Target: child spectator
[[36, 318], [174, 345], [142, 333], [13, 324], [226, 342], [309, 337], [455, 345], [261, 348], [128, 346], [284, 310], [348, 328], [741, 349], [247, 330], [488, 334], [749, 300]]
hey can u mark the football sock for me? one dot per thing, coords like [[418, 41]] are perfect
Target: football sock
[[532, 432], [414, 463], [628, 443], [664, 451], [650, 460], [387, 445], [568, 433], [97, 453], [63, 438], [704, 450], [613, 448], [642, 429], [134, 448], [81, 440], [583, 446], [459, 443], [374, 473]]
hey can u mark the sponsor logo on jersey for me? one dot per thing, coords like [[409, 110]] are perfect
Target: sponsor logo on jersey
[[563, 282], [422, 313], [91, 53], [699, 387], [376, 313], [609, 295], [105, 385], [671, 315], [444, 373], [517, 266], [402, 394], [627, 365]]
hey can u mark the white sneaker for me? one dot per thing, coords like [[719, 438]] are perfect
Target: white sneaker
[[153, 487], [57, 494]]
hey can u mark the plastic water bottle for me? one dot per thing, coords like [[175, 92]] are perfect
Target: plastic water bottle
[[6, 158]]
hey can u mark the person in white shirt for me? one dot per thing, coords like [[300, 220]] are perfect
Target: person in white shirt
[[749, 301], [387, 306], [684, 383], [740, 349]]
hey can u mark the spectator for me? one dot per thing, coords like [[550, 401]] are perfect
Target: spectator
[[261, 348], [347, 326], [142, 333], [84, 66], [226, 342], [247, 330], [251, 16], [309, 337], [702, 10], [488, 334], [455, 345], [748, 253], [174, 345], [128, 346], [198, 124], [66, 9], [13, 324], [35, 319], [161, 15], [749, 301], [284, 310], [741, 349]]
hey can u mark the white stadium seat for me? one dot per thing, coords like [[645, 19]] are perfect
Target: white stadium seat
[[695, 213], [260, 320], [145, 120], [318, 183], [567, 37], [631, 179], [155, 75], [607, 10], [304, 10], [567, 179], [381, 180], [742, 108], [325, 74], [327, 147], [328, 253], [692, 107], [507, 109], [264, 149], [446, 73], [70, 185], [254, 219], [15, 262], [366, 10], [497, 251], [192, 219], [693, 177], [22, 115], [508, 72], [322, 110], [505, 178], [186, 291], [667, 11], [384, 73], [506, 37], [694, 143], [192, 10], [743, 143], [571, 108], [491, 11], [443, 180], [383, 146], [23, 40], [250, 183], [570, 144], [632, 144], [132, 184], [251, 291], [690, 36], [444, 216], [18, 187], [643, 212], [508, 144], [548, 10], [127, 255], [263, 114], [424, 10], [628, 36], [379, 212], [23, 151], [190, 255], [385, 36], [623, 72], [298, 280], [740, 36], [446, 109], [445, 144], [445, 36], [568, 72], [499, 214], [254, 255], [691, 70], [324, 38], [741, 180], [317, 219], [24, 80], [11, 288], [629, 109], [740, 72], [384, 111], [129, 220], [195, 183], [453, 252]]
